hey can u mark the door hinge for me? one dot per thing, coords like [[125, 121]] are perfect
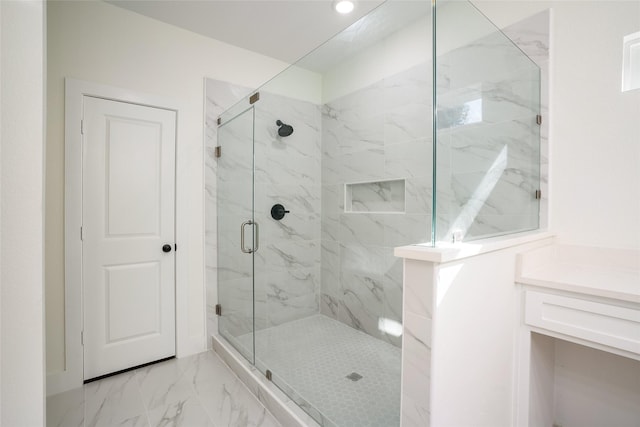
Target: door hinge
[[81, 337], [219, 121], [254, 98], [269, 375], [538, 194], [539, 119], [82, 127], [175, 246], [218, 151], [218, 310], [81, 233]]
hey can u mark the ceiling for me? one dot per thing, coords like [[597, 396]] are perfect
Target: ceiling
[[286, 30]]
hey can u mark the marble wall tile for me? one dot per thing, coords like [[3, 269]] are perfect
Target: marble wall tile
[[502, 191], [362, 228], [237, 296], [366, 165], [294, 226], [361, 120], [416, 350], [478, 149], [285, 255], [509, 93], [414, 412], [361, 297], [406, 229], [282, 311], [418, 299], [331, 228], [330, 267], [408, 105], [290, 284], [419, 194], [377, 134], [409, 159], [329, 305], [332, 199]]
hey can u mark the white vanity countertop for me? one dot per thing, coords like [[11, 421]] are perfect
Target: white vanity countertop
[[601, 272]]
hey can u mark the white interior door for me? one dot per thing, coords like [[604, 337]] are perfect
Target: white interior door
[[128, 199]]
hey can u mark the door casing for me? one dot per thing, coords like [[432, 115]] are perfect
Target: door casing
[[72, 375]]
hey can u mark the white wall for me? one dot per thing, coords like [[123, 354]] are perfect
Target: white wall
[[21, 225], [595, 131], [98, 42]]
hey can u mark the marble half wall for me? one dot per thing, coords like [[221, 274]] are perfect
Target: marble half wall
[[420, 308]]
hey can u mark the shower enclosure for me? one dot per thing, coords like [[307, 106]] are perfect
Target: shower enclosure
[[418, 124]]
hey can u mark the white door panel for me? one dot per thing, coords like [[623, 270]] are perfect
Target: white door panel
[[128, 215]]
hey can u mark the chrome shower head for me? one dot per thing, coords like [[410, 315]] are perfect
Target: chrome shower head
[[284, 129]]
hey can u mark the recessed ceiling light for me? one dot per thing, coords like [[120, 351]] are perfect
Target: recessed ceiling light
[[343, 6]]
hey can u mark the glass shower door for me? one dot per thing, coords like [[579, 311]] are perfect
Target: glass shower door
[[236, 230]]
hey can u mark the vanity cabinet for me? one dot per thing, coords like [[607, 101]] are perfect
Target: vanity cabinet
[[579, 339]]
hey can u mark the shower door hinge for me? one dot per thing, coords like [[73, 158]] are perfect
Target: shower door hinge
[[538, 194], [539, 119], [218, 310], [218, 151], [254, 98], [269, 375]]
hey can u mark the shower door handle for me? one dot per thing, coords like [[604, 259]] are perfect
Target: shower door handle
[[242, 226], [256, 235]]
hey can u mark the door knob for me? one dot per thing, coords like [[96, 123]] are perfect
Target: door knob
[[166, 248], [278, 211]]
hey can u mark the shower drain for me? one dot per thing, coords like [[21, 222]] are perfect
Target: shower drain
[[354, 376]]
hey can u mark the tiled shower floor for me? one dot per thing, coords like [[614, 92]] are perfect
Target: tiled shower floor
[[313, 357]]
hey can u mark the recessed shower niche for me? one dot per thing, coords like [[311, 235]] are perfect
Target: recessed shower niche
[[375, 197]]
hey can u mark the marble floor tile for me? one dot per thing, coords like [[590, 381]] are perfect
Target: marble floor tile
[[66, 409], [113, 400], [188, 412], [195, 391], [163, 384]]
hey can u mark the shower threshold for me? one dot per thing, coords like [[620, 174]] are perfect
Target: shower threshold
[[338, 375]]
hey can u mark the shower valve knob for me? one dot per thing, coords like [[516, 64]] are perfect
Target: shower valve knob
[[278, 211]]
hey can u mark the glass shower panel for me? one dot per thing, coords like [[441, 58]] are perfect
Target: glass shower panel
[[488, 138], [234, 209], [343, 144]]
